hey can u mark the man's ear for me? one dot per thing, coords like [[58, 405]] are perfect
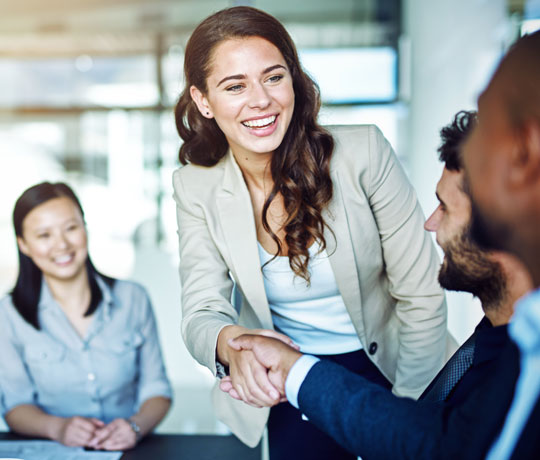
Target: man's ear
[[201, 102], [22, 245], [525, 160]]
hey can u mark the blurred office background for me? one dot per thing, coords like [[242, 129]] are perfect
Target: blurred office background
[[87, 89]]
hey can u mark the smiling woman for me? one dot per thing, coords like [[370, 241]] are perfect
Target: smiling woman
[[55, 239], [315, 233], [253, 109], [81, 362]]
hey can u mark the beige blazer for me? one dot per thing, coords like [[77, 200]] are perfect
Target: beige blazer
[[384, 263]]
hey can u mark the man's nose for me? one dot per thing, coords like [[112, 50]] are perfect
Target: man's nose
[[433, 221]]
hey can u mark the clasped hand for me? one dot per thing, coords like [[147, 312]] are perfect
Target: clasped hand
[[93, 433], [259, 364]]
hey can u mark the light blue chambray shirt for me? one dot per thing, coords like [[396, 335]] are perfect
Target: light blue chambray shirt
[[108, 374], [525, 331]]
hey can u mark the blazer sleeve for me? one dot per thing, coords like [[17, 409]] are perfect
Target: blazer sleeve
[[204, 276], [373, 423], [411, 264], [367, 419]]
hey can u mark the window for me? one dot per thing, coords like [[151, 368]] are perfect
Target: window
[[353, 75]]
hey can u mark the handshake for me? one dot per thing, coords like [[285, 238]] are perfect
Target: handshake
[[259, 363]]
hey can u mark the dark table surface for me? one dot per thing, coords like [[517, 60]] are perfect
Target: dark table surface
[[183, 447]]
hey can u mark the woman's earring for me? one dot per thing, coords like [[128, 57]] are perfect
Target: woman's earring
[[207, 113]]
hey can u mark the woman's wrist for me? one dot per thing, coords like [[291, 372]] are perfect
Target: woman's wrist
[[150, 414], [55, 427], [223, 349], [136, 428]]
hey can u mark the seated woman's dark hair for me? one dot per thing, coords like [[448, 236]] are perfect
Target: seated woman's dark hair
[[27, 291], [301, 164]]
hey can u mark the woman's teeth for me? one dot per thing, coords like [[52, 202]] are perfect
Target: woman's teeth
[[260, 123], [63, 259]]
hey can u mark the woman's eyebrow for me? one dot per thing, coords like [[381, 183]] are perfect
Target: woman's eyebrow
[[241, 76], [232, 77], [273, 67]]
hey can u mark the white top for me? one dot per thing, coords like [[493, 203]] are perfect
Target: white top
[[314, 317]]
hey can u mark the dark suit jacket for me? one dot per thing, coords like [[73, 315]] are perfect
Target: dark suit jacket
[[489, 343], [528, 445], [374, 424]]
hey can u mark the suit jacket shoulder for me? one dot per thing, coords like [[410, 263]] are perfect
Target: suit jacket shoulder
[[200, 182], [356, 147]]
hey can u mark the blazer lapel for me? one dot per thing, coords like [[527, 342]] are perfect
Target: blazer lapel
[[341, 255], [237, 220]]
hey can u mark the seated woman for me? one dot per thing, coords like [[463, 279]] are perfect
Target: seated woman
[[81, 361]]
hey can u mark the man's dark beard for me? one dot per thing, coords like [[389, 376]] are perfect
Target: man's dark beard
[[467, 268], [486, 233]]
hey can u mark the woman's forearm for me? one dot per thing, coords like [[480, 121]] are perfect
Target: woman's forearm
[[30, 420], [151, 413]]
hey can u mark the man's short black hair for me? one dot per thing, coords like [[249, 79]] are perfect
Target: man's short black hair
[[452, 137]]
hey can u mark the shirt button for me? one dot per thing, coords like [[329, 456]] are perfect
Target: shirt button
[[373, 348], [91, 377]]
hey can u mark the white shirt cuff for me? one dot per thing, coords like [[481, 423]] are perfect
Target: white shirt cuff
[[296, 377]]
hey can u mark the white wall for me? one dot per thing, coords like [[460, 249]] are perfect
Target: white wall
[[454, 47]]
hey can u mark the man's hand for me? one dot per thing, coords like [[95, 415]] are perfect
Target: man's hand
[[273, 354], [248, 377]]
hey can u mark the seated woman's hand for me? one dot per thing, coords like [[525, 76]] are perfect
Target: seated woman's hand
[[248, 379], [116, 435], [78, 431]]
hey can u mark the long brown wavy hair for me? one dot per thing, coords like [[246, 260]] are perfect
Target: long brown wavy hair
[[300, 166]]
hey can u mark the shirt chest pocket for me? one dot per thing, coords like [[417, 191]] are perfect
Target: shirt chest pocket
[[120, 357], [41, 354], [125, 343], [45, 363]]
